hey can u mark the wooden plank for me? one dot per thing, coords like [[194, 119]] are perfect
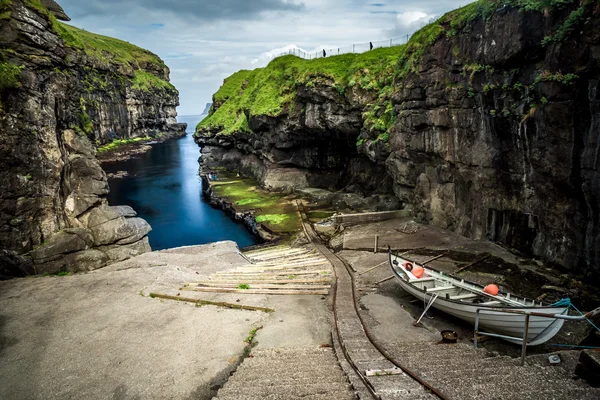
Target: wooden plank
[[273, 281], [212, 303], [272, 274], [260, 285], [267, 249], [383, 372], [434, 258], [258, 291], [288, 250], [375, 267], [280, 266], [389, 278], [290, 260], [275, 256], [473, 263]]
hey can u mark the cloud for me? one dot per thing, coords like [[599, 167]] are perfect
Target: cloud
[[207, 10]]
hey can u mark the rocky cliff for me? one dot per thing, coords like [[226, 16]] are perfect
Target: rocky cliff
[[486, 123], [64, 91]]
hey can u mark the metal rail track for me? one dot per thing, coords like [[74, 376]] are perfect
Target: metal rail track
[[340, 267]]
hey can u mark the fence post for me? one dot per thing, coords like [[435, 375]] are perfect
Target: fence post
[[353, 48], [407, 38], [390, 42]]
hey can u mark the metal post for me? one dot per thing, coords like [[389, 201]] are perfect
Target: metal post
[[406, 38], [376, 243], [476, 328], [524, 345]]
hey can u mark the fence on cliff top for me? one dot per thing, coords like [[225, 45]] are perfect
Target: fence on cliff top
[[354, 48]]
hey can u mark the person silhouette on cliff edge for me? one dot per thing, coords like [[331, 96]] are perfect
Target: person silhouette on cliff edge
[[370, 45], [324, 54]]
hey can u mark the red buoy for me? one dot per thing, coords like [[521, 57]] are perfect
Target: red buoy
[[491, 289], [418, 271]]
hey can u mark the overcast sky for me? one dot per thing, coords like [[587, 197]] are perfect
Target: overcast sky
[[204, 41]]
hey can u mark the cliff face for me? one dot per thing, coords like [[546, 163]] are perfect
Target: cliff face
[[487, 123], [63, 92]]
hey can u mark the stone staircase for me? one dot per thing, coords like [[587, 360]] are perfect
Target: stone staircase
[[294, 373], [463, 373]]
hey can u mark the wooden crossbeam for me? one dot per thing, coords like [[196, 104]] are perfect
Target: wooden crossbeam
[[274, 273], [212, 303], [258, 291], [278, 268], [260, 286], [258, 281]]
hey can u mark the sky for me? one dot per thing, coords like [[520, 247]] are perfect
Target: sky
[[205, 41]]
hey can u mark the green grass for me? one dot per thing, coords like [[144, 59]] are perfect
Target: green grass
[[251, 335], [120, 142], [10, 76], [104, 48], [244, 286], [271, 90], [135, 61], [147, 82], [270, 209]]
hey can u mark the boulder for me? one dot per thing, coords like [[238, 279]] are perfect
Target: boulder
[[99, 215], [56, 9], [120, 230], [118, 253], [64, 242], [81, 261]]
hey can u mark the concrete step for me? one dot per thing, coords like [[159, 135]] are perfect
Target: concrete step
[[284, 390], [294, 373], [341, 395]]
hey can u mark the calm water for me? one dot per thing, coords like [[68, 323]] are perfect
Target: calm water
[[163, 186]]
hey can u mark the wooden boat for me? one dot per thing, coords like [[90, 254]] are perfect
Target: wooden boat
[[462, 299]]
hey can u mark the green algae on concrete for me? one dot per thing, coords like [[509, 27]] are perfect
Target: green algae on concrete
[[276, 211]]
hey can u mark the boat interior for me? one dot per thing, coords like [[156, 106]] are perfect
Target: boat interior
[[452, 288]]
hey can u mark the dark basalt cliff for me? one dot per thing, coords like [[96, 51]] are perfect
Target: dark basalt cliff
[[487, 123], [63, 92]]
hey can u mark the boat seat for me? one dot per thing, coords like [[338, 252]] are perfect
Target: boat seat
[[417, 280], [439, 288], [464, 296]]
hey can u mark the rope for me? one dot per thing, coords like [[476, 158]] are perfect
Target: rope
[[429, 304], [587, 319]]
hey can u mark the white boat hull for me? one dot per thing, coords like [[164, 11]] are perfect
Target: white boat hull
[[509, 324]]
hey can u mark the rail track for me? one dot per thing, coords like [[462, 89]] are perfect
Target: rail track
[[381, 375]]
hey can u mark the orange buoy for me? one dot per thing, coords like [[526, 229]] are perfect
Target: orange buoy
[[418, 271], [491, 289], [407, 266]]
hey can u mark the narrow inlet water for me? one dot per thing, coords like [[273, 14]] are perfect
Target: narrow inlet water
[[164, 187]]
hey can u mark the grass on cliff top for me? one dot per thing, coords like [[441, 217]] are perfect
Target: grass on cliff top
[[271, 209], [107, 49], [270, 90], [267, 91]]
